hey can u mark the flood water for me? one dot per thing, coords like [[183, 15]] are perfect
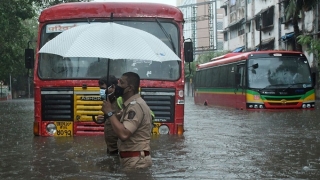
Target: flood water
[[219, 143]]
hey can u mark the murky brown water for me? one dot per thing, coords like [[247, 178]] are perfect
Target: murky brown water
[[219, 143]]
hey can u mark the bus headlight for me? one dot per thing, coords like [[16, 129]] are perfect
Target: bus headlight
[[255, 106], [163, 129], [51, 128], [308, 105]]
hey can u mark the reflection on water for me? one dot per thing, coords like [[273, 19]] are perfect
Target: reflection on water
[[219, 143]]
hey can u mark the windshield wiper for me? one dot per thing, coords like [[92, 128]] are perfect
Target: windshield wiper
[[272, 85], [167, 35], [293, 85]]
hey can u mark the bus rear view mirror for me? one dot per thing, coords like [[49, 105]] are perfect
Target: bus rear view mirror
[[188, 51], [255, 66], [29, 58]]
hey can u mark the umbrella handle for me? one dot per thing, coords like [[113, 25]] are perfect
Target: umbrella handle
[[98, 122]]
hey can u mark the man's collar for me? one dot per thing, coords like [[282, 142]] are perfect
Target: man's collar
[[131, 99]]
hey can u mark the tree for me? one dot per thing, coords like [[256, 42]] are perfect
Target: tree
[[13, 36], [48, 3], [293, 11], [313, 44], [18, 23]]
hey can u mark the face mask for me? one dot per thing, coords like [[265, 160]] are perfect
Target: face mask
[[103, 94], [119, 91]]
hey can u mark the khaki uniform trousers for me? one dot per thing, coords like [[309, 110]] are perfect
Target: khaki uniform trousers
[[110, 137], [136, 162]]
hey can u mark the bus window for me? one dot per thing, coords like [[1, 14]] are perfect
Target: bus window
[[240, 76]]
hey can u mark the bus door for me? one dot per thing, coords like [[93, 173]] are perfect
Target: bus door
[[239, 91]]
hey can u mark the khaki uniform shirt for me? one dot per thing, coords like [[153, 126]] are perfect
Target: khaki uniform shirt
[[137, 119]]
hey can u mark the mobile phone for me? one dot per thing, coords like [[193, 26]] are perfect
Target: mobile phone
[[103, 95]]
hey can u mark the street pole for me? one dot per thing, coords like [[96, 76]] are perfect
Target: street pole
[[1, 89], [28, 80], [260, 33], [10, 87], [28, 86], [260, 38]]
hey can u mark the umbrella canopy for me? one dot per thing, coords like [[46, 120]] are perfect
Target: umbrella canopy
[[109, 40]]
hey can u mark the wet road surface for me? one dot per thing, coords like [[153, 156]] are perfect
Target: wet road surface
[[219, 143]]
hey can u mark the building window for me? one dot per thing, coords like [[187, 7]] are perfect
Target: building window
[[265, 18], [233, 5], [240, 32], [232, 2], [248, 27], [219, 25], [236, 30], [266, 45], [220, 45], [233, 33], [225, 36]]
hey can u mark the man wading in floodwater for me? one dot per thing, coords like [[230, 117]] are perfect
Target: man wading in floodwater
[[133, 129]]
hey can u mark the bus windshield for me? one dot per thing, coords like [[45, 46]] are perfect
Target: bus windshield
[[279, 72], [56, 67]]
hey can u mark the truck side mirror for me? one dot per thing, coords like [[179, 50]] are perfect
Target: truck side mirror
[[29, 58], [188, 51]]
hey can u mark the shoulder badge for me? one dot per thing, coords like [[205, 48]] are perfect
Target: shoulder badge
[[133, 102], [131, 114]]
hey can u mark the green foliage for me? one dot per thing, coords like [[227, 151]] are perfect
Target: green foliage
[[313, 45], [48, 3], [18, 23], [293, 11], [14, 36]]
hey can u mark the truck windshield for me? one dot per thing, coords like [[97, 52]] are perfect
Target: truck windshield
[[55, 67], [279, 72]]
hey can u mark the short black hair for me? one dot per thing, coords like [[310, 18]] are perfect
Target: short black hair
[[133, 79], [104, 80]]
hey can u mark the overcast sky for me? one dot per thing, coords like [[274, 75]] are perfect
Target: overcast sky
[[171, 2]]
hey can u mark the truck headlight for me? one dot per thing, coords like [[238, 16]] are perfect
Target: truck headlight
[[163, 129], [51, 128]]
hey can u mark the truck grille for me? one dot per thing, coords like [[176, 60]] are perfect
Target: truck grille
[[57, 104], [73, 104], [87, 103], [161, 102]]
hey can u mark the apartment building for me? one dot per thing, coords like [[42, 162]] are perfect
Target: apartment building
[[203, 24], [252, 25]]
